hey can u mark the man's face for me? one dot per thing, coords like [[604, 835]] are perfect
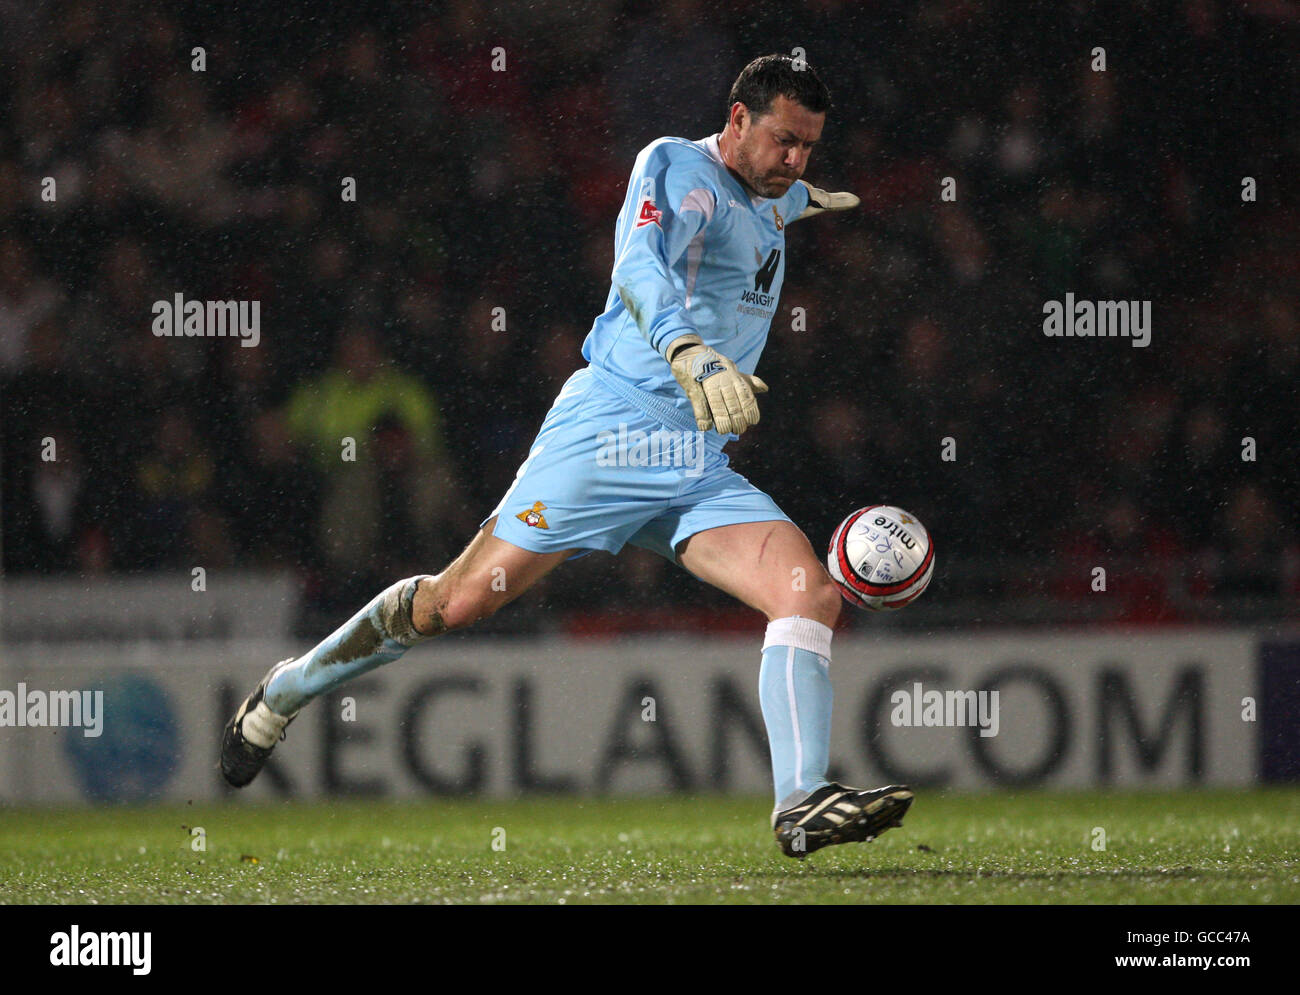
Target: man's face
[[772, 151]]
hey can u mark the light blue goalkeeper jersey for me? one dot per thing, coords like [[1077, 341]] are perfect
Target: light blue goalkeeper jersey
[[694, 252]]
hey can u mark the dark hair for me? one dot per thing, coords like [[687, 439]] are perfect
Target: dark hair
[[770, 76]]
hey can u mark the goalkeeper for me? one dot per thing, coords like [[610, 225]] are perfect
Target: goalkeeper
[[699, 261]]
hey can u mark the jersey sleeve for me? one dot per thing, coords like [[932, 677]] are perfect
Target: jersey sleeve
[[798, 198], [674, 202]]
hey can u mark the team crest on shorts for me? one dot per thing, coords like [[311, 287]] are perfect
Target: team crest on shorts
[[534, 517]]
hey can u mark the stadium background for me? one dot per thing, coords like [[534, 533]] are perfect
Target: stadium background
[[480, 190]]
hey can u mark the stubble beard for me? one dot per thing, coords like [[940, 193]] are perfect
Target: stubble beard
[[761, 186]]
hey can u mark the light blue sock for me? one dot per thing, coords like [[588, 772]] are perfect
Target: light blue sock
[[794, 688], [378, 634]]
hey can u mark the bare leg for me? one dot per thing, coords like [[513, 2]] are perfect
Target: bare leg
[[488, 574], [770, 566]]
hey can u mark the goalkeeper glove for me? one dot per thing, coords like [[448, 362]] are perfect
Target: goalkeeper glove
[[820, 200], [721, 395]]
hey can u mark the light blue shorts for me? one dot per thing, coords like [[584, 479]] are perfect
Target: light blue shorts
[[603, 472]]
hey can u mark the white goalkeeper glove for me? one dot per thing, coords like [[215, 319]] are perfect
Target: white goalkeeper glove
[[820, 200], [721, 395]]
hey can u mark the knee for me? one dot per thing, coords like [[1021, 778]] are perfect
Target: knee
[[826, 601], [820, 601], [445, 603]]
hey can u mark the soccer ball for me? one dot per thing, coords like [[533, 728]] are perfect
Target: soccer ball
[[881, 558]]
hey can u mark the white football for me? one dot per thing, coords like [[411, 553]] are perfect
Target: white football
[[881, 558]]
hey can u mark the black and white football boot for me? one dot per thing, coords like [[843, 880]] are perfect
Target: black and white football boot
[[249, 737], [836, 814]]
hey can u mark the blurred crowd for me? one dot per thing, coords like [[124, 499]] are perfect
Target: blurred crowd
[[432, 319]]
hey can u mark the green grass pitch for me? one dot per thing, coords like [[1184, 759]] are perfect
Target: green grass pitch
[[1186, 847]]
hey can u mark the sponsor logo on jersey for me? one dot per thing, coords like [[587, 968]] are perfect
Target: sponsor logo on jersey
[[761, 302], [757, 299], [534, 516], [649, 214], [767, 272]]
